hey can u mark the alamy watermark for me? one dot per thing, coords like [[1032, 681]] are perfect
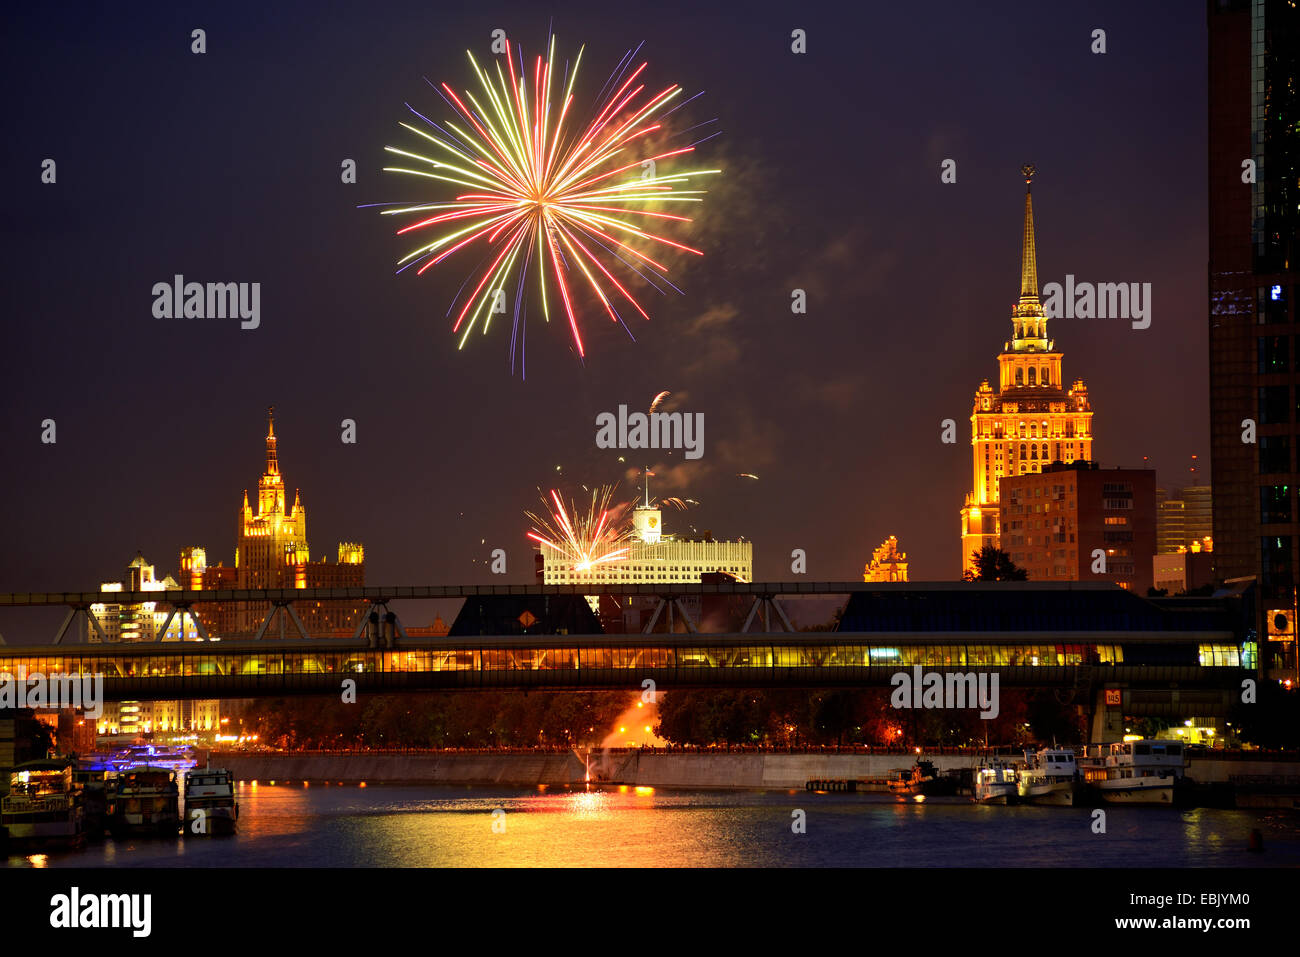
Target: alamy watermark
[[77, 910], [179, 299], [933, 689], [655, 430], [53, 691], [1103, 300]]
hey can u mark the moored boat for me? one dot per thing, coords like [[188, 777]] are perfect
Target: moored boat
[[995, 782], [210, 806], [144, 801], [93, 781], [1050, 776], [43, 806], [923, 778], [1148, 771]]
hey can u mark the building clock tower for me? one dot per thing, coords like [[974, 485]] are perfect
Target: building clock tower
[[1031, 419]]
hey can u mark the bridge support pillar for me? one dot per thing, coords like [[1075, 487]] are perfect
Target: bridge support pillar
[[1106, 720]]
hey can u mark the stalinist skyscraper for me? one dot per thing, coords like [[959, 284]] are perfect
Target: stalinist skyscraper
[[1031, 420]]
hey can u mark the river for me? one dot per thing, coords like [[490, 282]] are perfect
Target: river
[[428, 826]]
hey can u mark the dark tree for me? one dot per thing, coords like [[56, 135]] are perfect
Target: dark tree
[[994, 565]]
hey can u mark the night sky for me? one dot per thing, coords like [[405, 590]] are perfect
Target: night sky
[[226, 167]]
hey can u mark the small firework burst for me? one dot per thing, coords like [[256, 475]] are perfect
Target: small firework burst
[[597, 537]]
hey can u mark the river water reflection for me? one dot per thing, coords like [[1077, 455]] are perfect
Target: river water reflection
[[388, 826]]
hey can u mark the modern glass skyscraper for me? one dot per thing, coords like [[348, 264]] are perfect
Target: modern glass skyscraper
[[1254, 210]]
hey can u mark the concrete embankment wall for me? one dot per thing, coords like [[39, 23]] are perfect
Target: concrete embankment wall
[[507, 769], [649, 769], [756, 770], [526, 770], [1212, 769]]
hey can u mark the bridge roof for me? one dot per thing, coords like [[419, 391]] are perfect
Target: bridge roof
[[418, 592], [1045, 609]]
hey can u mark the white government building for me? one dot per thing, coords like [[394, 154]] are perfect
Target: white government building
[[654, 557]]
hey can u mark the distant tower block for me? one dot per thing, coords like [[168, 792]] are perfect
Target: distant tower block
[[1029, 421], [194, 562], [887, 563]]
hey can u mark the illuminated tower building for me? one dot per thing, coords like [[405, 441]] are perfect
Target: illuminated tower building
[[1031, 419], [271, 551], [271, 542], [887, 563]]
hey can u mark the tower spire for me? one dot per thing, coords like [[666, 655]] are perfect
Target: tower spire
[[1028, 253], [272, 463]]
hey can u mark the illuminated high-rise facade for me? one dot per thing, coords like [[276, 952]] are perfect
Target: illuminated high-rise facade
[[271, 551], [270, 542], [1031, 419]]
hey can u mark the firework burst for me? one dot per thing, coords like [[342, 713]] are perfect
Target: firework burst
[[573, 198], [597, 538]]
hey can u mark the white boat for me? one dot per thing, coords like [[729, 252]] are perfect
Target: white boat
[[1137, 772], [43, 806], [1050, 776], [995, 782], [210, 806]]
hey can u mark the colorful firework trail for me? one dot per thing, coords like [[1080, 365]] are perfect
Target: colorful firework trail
[[574, 203], [597, 538]]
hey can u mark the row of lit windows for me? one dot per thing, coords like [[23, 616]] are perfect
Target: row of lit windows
[[1035, 377], [1064, 430], [577, 659]]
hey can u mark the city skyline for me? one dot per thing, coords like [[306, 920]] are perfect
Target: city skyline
[[679, 496], [450, 446]]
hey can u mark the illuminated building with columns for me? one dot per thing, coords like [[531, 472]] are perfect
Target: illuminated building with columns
[[1031, 419], [654, 558]]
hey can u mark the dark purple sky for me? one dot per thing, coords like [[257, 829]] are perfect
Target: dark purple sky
[[225, 166]]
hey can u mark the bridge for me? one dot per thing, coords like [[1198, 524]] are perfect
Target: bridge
[[1110, 650]]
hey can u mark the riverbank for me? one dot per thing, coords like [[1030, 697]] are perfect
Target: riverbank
[[650, 768]]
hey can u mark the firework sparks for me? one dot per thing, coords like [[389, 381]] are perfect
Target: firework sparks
[[655, 402], [681, 504], [748, 475], [596, 538], [539, 187]]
